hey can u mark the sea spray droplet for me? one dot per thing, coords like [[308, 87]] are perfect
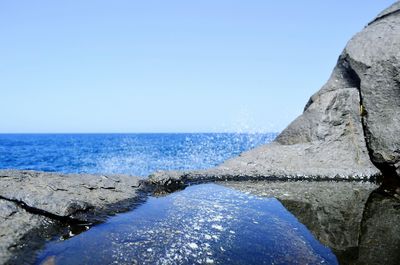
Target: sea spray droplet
[[209, 261], [193, 246], [217, 227]]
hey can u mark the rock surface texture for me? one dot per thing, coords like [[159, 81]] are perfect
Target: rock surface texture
[[66, 196], [30, 202], [349, 129], [325, 142], [374, 57], [15, 223]]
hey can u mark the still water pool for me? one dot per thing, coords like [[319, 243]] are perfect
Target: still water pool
[[203, 224]]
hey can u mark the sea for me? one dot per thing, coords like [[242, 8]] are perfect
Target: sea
[[138, 154]]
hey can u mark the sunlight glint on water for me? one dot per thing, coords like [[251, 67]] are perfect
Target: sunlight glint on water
[[203, 224]]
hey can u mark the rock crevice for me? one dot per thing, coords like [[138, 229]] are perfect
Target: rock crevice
[[40, 212], [36, 205]]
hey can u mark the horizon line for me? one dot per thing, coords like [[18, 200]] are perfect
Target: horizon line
[[166, 132]]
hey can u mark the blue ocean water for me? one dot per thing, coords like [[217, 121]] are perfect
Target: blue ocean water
[[133, 154]]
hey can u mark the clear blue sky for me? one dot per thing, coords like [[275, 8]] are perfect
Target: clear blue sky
[[168, 66]]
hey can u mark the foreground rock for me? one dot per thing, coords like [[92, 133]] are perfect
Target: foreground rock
[[34, 203], [15, 224]]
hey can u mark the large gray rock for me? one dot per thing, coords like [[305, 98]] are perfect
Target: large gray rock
[[325, 142], [349, 129], [36, 205], [374, 56], [330, 134]]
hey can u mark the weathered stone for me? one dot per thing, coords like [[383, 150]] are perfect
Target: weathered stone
[[374, 56], [325, 142], [15, 223], [35, 205], [69, 196], [166, 181]]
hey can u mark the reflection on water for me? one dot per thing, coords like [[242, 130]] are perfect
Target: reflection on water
[[203, 224]]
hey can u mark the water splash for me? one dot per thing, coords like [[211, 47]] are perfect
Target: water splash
[[132, 154]]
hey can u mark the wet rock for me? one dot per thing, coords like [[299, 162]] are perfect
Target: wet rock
[[66, 196], [15, 223], [34, 205], [166, 181]]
